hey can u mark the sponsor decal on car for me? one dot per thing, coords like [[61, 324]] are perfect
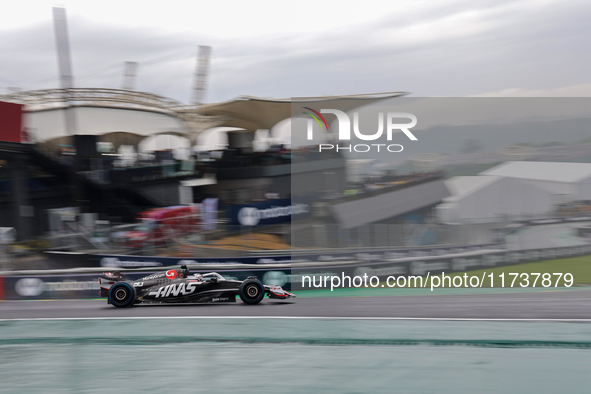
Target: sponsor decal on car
[[155, 276], [174, 290], [170, 274]]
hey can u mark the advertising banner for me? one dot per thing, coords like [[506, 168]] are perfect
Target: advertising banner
[[268, 212], [210, 215], [124, 261], [379, 265], [11, 126], [72, 286], [51, 287]]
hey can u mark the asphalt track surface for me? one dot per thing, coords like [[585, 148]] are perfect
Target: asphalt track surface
[[552, 304]]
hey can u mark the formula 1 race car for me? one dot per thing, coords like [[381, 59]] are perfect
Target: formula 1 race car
[[179, 286]]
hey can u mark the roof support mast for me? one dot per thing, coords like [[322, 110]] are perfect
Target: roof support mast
[[129, 75], [60, 25], [65, 65], [201, 72]]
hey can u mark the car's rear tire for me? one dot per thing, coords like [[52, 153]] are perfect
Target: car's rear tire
[[252, 291], [121, 295]]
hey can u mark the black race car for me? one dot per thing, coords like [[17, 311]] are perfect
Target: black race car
[[179, 286]]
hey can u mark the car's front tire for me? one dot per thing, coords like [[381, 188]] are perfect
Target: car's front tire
[[252, 291], [121, 295]]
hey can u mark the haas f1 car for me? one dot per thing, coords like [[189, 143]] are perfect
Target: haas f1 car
[[179, 286]]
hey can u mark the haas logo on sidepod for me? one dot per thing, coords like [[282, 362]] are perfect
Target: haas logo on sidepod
[[170, 274], [174, 290]]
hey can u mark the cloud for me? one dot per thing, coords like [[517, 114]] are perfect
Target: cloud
[[582, 90], [458, 48]]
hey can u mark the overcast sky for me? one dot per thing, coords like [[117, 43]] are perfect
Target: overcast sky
[[307, 48]]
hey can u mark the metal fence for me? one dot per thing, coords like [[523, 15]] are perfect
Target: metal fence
[[392, 235], [194, 241]]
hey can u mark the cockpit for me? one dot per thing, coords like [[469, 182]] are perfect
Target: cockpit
[[209, 277]]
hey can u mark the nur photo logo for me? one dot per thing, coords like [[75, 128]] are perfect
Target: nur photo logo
[[392, 121]]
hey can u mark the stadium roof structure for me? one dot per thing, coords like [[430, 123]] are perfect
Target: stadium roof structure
[[254, 113], [543, 171], [246, 112]]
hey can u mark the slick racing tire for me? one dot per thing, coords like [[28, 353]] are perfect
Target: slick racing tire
[[121, 295], [252, 292]]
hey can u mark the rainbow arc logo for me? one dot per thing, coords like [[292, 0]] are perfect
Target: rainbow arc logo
[[316, 117]]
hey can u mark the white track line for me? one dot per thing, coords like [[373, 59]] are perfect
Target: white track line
[[300, 318]]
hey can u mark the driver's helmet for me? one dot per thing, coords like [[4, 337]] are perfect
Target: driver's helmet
[[185, 271]]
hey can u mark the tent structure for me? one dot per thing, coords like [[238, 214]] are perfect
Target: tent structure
[[567, 181], [480, 199]]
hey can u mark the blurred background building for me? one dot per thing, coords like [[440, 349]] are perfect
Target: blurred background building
[[100, 156]]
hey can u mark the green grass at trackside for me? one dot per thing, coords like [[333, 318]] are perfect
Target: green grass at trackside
[[579, 267]]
